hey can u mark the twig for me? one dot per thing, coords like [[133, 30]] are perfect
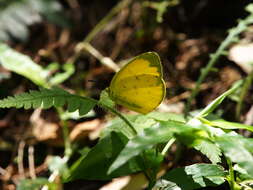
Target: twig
[[31, 162], [232, 37], [104, 60], [21, 170], [85, 43]]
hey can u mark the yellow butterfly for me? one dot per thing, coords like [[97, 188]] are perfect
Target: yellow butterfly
[[139, 85]]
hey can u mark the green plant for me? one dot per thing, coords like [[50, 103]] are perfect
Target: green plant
[[130, 144], [232, 37], [138, 143], [161, 7], [17, 15]]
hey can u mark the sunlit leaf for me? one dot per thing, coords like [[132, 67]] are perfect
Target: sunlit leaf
[[159, 133], [22, 65], [194, 177], [238, 149]]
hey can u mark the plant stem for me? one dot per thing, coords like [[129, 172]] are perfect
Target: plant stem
[[167, 146], [232, 37], [121, 116], [65, 130], [245, 88], [231, 180]]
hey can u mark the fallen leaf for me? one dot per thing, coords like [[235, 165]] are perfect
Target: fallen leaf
[[242, 55], [82, 130]]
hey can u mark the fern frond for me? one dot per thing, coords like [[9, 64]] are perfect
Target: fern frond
[[46, 98]]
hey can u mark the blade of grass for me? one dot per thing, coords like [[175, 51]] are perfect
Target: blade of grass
[[208, 109], [232, 37]]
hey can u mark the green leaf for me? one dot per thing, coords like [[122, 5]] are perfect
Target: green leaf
[[195, 176], [163, 184], [16, 16], [46, 98], [201, 141], [22, 65], [230, 125], [161, 116], [238, 149], [59, 78], [210, 150], [158, 133], [35, 184], [95, 164], [139, 121]]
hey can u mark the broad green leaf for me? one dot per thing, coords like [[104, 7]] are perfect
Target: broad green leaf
[[23, 65], [238, 149], [139, 121], [195, 176], [210, 150], [158, 133], [200, 140], [96, 163]]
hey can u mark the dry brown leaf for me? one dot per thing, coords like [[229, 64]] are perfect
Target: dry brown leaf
[[44, 130], [242, 55], [83, 129]]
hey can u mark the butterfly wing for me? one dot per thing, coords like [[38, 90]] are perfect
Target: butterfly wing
[[139, 85]]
